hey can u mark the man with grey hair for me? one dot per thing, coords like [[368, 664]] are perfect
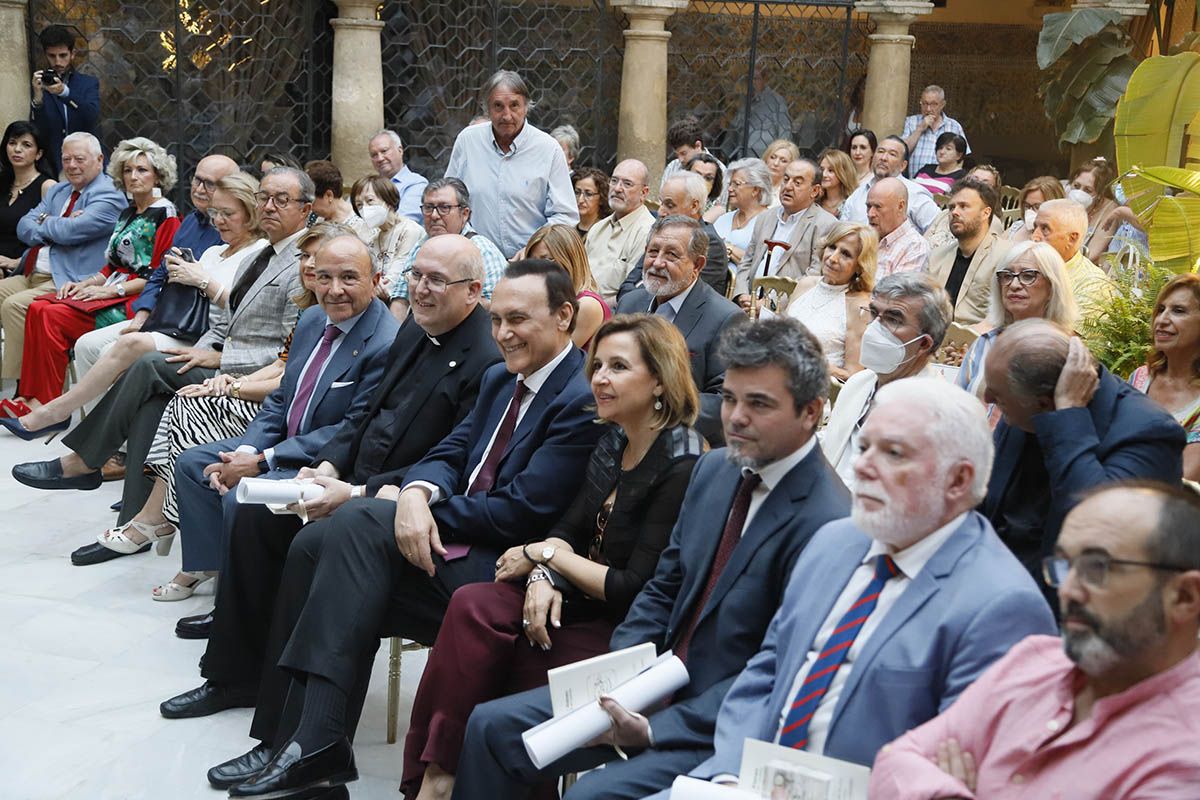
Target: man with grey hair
[[386, 149], [615, 243], [889, 615], [568, 139], [889, 161], [921, 131], [517, 173], [909, 317], [1063, 224], [1069, 425], [901, 246], [671, 288], [748, 515]]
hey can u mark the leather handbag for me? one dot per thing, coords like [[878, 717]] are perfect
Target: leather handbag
[[180, 312]]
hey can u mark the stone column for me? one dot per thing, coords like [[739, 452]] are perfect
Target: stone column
[[14, 69], [642, 125], [885, 103], [357, 86]]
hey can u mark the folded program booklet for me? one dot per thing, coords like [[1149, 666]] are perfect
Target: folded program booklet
[[574, 685], [781, 773]]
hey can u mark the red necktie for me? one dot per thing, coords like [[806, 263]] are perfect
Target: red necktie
[[729, 540], [487, 473], [31, 256], [309, 381]]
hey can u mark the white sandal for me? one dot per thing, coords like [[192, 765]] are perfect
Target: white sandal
[[116, 540], [172, 590]]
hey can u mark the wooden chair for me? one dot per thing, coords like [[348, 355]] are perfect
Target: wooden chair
[[393, 690], [777, 291], [729, 279], [1008, 217], [1010, 198], [940, 200]]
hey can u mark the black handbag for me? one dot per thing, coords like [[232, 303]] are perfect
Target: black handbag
[[181, 312]]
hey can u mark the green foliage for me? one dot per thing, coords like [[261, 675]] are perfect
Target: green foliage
[[1120, 337]]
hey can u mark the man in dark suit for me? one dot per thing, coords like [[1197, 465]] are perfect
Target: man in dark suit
[[672, 288], [749, 511], [64, 100], [1068, 426], [386, 566]]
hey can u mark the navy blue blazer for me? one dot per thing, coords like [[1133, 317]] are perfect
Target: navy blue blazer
[[540, 471], [344, 389], [731, 626], [1122, 434], [57, 117]]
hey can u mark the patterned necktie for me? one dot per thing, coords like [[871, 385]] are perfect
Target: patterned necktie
[[308, 381], [487, 473], [794, 733], [243, 283], [31, 259], [729, 540]]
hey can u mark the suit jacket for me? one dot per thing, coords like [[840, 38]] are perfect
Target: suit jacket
[[255, 334], [56, 117], [344, 387], [701, 319], [80, 243], [715, 271], [731, 625], [1122, 434], [807, 241], [970, 603], [976, 291], [540, 471], [441, 390]]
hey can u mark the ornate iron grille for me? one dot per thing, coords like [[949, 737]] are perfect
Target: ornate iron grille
[[240, 77]]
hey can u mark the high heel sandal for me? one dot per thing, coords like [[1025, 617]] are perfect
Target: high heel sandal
[[172, 590], [14, 408], [115, 539]]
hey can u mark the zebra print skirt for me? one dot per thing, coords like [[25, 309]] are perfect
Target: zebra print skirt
[[189, 422]]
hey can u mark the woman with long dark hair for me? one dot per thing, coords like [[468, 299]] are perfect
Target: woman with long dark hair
[[24, 181]]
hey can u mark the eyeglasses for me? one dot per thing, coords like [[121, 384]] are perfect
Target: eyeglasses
[[221, 213], [1092, 569], [436, 283], [1027, 277], [738, 183], [441, 208], [281, 200], [584, 193], [891, 319], [597, 545], [199, 182]]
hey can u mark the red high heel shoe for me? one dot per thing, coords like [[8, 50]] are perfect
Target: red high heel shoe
[[14, 408]]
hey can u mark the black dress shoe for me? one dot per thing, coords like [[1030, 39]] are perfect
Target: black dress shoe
[[97, 553], [240, 769], [194, 627], [289, 773], [49, 475], [207, 699]]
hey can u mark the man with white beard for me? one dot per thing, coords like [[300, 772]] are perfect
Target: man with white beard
[[889, 615]]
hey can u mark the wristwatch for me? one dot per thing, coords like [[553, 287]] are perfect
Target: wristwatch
[[548, 553], [120, 290], [235, 390], [203, 287], [356, 491]]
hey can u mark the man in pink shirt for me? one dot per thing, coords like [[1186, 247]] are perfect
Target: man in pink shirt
[[902, 248], [1112, 709]]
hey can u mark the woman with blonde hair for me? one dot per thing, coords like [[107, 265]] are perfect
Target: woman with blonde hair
[[777, 156], [832, 304], [1031, 282], [562, 245], [1037, 191], [838, 180]]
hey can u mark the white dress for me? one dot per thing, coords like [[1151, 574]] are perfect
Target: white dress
[[822, 309], [738, 237]]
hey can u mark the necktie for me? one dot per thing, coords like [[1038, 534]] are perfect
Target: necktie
[[257, 267], [308, 381], [795, 727], [666, 311], [487, 473], [31, 258], [729, 539]]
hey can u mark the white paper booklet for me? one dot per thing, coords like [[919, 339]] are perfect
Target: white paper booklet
[[685, 788], [559, 735], [574, 685], [781, 773]]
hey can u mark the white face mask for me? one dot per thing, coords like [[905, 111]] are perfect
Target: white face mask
[[1080, 196], [881, 351], [1030, 218], [373, 215]]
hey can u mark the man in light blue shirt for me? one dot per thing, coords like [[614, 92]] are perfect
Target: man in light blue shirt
[[516, 173], [387, 156]]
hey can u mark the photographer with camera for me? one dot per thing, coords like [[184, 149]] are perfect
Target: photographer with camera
[[64, 101]]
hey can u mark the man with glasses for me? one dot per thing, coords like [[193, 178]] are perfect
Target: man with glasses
[[921, 131], [1109, 709], [1068, 426], [615, 243], [446, 210]]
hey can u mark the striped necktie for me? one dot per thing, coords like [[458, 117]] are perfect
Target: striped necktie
[[794, 733]]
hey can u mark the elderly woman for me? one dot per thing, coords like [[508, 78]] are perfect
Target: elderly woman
[[749, 195], [707, 167], [1091, 187], [591, 197], [24, 181], [950, 149], [838, 180], [143, 233], [568, 139], [1031, 282], [777, 156], [1033, 194], [598, 556], [1171, 374], [558, 243], [389, 235], [234, 213], [833, 304], [862, 149]]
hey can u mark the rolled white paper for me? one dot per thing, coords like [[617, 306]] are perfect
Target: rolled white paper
[[262, 490]]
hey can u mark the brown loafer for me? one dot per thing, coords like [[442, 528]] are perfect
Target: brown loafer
[[114, 468]]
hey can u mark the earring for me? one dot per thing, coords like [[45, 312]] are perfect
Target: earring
[[658, 404]]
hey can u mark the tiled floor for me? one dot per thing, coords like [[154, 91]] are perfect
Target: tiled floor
[[87, 656]]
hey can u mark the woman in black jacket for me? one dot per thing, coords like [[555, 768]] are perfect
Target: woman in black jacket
[[556, 601]]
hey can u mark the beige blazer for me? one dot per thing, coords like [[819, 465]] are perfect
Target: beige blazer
[[977, 285], [805, 253]]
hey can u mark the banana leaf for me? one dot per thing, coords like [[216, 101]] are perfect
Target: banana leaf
[[1175, 233], [1060, 31], [1086, 65]]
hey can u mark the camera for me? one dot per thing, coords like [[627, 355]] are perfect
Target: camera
[[49, 77]]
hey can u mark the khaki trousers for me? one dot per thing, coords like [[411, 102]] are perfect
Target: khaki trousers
[[16, 293]]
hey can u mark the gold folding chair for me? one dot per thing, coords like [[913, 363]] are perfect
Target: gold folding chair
[[776, 291], [393, 690]]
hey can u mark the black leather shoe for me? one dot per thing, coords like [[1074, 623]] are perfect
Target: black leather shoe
[[240, 769], [96, 553], [49, 475], [207, 699], [194, 627], [288, 773]]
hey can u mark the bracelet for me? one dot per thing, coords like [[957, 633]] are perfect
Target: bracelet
[[528, 557], [537, 575], [235, 390]]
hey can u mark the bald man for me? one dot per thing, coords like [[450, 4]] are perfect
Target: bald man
[[1069, 426], [901, 246], [1063, 225], [615, 243]]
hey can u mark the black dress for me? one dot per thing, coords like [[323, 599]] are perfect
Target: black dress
[[10, 215]]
